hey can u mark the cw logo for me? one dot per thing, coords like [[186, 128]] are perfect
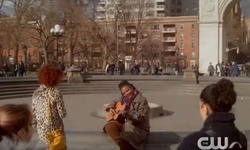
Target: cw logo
[[219, 143]]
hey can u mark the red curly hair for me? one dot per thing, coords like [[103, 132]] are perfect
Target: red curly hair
[[50, 75]]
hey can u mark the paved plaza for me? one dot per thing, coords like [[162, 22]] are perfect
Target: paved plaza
[[179, 100]]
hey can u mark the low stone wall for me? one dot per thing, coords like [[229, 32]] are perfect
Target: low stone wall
[[101, 141]]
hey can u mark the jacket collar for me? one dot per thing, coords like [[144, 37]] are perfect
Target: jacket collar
[[219, 117], [137, 98]]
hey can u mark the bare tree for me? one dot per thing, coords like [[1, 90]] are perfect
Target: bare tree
[[136, 18], [20, 24], [5, 37], [102, 33], [1, 3], [40, 22], [75, 26]]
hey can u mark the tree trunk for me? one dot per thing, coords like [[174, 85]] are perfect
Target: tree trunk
[[45, 52], [104, 56], [46, 57], [16, 53], [71, 56], [104, 64]]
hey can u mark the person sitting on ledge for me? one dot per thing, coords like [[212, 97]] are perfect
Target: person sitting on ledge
[[216, 101], [131, 128]]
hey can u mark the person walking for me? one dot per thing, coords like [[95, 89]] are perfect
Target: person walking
[[47, 103], [235, 72], [211, 69]]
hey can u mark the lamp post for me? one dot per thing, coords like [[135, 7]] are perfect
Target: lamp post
[[177, 51], [57, 31], [117, 46]]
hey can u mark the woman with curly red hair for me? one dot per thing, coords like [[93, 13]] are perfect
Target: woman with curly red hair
[[47, 102]]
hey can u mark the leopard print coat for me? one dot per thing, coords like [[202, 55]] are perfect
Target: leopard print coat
[[40, 109]]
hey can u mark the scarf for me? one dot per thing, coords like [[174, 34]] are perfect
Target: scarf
[[128, 101]]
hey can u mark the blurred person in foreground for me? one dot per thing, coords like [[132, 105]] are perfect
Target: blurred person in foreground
[[216, 101], [131, 129], [47, 102], [15, 126]]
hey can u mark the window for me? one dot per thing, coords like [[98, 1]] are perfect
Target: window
[[155, 37], [119, 38], [192, 26], [193, 54], [142, 26], [150, 14], [144, 36], [156, 46], [179, 2], [156, 55], [119, 28], [155, 27], [106, 28], [150, 5], [181, 46], [192, 36], [193, 45], [192, 62], [182, 36], [179, 10], [181, 26], [181, 62]]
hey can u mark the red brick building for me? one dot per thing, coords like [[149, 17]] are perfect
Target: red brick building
[[178, 40], [164, 41]]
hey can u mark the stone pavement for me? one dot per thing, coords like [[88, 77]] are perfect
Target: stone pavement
[[180, 100]]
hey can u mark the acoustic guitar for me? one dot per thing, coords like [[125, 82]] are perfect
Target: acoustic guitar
[[117, 116]]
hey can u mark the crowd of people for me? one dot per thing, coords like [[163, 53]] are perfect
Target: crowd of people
[[129, 130], [148, 68], [231, 69], [14, 69]]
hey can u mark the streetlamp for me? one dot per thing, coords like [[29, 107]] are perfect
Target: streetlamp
[[57, 31], [117, 45], [116, 15], [177, 51]]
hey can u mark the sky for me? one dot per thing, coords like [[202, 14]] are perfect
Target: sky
[[245, 6]]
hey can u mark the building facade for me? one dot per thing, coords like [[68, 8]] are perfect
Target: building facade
[[178, 39], [154, 8], [164, 41]]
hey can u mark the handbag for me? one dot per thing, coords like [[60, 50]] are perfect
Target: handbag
[[56, 140]]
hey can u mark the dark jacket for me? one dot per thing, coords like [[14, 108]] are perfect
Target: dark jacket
[[235, 70], [222, 125]]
